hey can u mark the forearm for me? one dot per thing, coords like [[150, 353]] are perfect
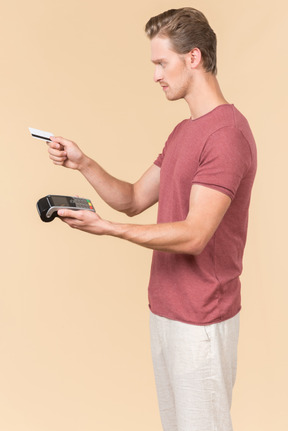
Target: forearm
[[176, 237], [190, 236], [120, 195], [116, 193]]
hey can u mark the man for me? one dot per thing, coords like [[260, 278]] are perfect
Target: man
[[202, 182]]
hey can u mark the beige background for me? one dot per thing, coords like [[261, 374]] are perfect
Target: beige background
[[74, 342]]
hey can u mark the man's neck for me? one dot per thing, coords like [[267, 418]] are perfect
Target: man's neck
[[205, 95]]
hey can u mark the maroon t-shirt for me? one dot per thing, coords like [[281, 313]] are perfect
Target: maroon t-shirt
[[218, 151]]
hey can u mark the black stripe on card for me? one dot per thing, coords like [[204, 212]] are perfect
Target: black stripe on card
[[41, 137]]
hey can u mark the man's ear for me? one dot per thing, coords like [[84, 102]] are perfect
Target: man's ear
[[194, 58]]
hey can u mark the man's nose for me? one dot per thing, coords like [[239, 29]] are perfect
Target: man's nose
[[158, 74]]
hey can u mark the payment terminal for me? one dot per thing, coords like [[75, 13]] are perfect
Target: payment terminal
[[49, 205]]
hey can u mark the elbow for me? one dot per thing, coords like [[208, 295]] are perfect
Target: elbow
[[197, 251], [130, 207], [196, 246], [131, 211]]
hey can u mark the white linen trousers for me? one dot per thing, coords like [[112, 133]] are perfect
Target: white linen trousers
[[195, 370]]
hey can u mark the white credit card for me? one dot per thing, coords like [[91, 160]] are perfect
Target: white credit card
[[40, 134]]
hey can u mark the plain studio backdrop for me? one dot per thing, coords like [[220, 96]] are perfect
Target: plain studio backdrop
[[74, 339]]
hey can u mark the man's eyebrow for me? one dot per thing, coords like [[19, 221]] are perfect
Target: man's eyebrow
[[158, 60]]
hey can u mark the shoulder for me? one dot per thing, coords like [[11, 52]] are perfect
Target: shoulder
[[180, 126], [179, 130], [229, 142], [232, 132]]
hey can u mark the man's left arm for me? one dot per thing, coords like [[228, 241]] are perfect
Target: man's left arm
[[207, 207]]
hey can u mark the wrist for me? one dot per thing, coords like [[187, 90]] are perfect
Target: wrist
[[84, 163], [115, 229]]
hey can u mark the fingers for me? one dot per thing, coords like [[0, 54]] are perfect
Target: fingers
[[81, 217], [58, 159], [55, 143], [70, 214], [58, 143], [64, 152], [77, 219], [56, 152], [73, 218], [60, 140], [87, 221], [57, 156]]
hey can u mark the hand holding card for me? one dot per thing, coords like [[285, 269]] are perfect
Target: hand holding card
[[62, 152]]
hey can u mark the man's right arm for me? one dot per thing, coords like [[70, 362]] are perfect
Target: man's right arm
[[125, 197]]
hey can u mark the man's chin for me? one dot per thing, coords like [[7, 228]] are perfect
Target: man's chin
[[172, 97]]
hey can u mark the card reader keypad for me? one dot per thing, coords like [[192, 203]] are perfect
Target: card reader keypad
[[83, 203]]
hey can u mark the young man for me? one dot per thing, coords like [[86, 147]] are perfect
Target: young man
[[202, 182]]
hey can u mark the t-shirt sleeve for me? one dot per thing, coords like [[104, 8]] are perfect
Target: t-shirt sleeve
[[224, 161], [158, 162]]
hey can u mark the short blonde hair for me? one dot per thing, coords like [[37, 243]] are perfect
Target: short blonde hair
[[187, 28]]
